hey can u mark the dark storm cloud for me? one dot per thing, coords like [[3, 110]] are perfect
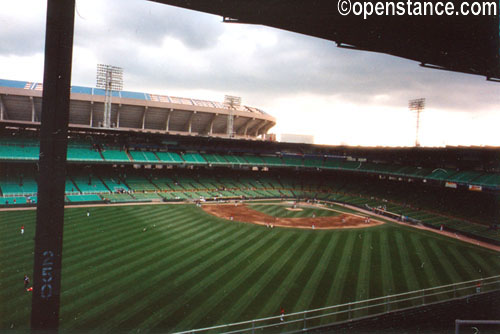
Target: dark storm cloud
[[302, 65], [137, 35], [142, 23]]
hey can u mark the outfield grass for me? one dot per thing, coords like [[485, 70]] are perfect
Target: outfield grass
[[190, 269]]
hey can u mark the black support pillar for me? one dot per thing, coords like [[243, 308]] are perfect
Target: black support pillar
[[52, 166]]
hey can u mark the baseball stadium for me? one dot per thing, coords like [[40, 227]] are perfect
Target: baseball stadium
[[172, 226], [185, 215]]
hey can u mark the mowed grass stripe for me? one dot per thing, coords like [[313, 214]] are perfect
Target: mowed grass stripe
[[162, 280], [115, 222], [267, 209], [386, 264], [160, 325], [106, 255], [397, 264], [194, 274], [280, 254], [349, 290], [127, 246], [415, 261], [480, 268], [331, 267], [82, 279], [290, 285], [67, 257], [363, 283], [235, 276], [30, 230], [264, 257], [425, 265], [281, 211], [375, 285], [119, 237], [334, 292], [83, 241], [464, 268], [406, 264], [279, 273], [12, 220], [144, 265], [486, 268], [115, 304], [304, 302], [451, 273], [231, 272]]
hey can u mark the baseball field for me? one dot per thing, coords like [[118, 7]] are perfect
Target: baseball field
[[176, 267]]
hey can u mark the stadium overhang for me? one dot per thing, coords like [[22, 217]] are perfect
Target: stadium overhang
[[460, 43], [21, 102]]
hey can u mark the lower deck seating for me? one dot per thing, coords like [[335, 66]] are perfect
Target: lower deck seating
[[430, 204], [139, 183], [83, 198], [14, 200], [117, 198], [90, 184]]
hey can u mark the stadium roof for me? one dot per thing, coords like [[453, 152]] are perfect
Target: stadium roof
[[20, 101], [468, 44]]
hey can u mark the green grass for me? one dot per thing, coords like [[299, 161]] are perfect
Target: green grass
[[191, 270], [281, 211]]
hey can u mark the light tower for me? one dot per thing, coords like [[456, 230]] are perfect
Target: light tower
[[417, 105], [109, 78], [231, 102]]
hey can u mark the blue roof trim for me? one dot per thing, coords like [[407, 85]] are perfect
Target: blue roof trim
[[102, 92], [77, 89], [13, 83], [133, 95], [81, 90]]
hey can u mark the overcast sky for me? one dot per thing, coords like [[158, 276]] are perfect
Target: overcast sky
[[311, 86]]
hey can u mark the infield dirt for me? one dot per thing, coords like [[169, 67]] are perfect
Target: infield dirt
[[243, 213]]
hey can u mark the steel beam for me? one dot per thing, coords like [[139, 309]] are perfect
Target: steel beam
[[144, 117], [52, 166], [167, 122], [2, 109], [32, 109]]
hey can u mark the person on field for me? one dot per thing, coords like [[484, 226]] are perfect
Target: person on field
[[282, 316], [26, 281], [22, 229]]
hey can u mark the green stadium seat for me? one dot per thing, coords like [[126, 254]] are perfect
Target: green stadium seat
[[293, 161], [254, 160], [113, 155], [272, 161], [170, 157], [194, 159], [83, 198], [215, 159], [83, 154]]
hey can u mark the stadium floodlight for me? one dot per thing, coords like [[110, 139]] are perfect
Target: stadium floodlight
[[417, 105], [109, 78], [231, 102]]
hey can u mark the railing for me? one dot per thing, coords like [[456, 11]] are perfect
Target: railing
[[302, 321]]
